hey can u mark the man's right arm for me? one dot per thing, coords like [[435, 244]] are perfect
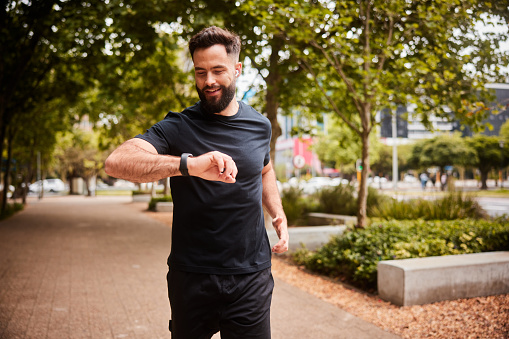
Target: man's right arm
[[137, 160]]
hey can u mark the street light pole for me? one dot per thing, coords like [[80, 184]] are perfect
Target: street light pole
[[501, 144], [394, 153]]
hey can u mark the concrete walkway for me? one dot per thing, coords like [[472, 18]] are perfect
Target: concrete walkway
[[76, 267]]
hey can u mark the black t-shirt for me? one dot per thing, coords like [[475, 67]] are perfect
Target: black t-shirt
[[218, 228]]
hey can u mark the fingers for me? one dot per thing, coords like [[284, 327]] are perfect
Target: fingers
[[282, 233], [281, 246], [226, 167]]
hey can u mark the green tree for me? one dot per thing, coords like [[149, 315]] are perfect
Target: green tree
[[54, 51], [265, 48], [489, 155], [342, 147], [369, 55], [443, 150], [504, 132], [78, 155], [129, 104], [382, 165]]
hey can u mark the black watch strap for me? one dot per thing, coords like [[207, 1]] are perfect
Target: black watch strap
[[183, 164]]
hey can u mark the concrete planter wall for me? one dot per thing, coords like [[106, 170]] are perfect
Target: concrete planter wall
[[163, 206], [141, 197]]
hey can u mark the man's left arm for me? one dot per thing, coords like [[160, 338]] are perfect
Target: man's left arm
[[272, 203]]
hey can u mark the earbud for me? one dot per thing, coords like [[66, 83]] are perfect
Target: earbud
[[237, 73]]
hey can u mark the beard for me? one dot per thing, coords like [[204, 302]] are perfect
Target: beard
[[217, 105]]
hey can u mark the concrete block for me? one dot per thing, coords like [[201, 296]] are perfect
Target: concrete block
[[426, 280], [142, 197], [312, 237], [318, 219], [164, 206]]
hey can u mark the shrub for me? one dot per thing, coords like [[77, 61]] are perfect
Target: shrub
[[296, 206], [342, 199], [152, 203], [141, 192], [337, 200], [10, 209], [375, 198], [356, 253], [455, 205]]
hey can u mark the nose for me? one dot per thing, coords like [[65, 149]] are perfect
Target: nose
[[210, 80]]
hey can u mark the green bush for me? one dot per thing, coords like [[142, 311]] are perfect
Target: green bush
[[342, 199], [10, 209], [455, 205], [152, 203], [355, 254], [337, 200], [296, 207], [375, 199]]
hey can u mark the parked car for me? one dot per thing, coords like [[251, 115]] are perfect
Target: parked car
[[339, 181], [317, 183], [410, 178], [48, 185]]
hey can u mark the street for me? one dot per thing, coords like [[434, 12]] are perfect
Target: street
[[494, 206]]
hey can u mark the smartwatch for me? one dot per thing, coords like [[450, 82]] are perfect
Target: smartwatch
[[183, 164]]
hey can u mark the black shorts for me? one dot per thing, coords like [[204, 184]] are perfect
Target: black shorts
[[238, 306]]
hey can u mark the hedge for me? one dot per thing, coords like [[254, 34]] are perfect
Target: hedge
[[152, 203], [355, 254]]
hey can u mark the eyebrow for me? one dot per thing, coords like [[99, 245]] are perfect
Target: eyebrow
[[214, 67]]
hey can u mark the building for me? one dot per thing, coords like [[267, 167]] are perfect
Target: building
[[410, 129]]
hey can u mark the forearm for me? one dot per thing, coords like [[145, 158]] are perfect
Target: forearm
[[270, 198], [272, 203], [138, 161]]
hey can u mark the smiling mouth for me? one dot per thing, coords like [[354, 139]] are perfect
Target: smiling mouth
[[213, 91]]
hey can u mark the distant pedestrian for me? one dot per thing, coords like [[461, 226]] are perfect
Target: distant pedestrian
[[424, 180], [443, 180]]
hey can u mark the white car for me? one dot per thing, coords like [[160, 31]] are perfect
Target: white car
[[339, 181], [317, 183], [48, 185], [410, 178]]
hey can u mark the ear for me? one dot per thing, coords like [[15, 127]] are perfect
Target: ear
[[238, 69]]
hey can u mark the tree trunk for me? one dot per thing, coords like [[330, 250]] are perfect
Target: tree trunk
[[167, 186], [2, 139], [273, 81], [153, 189], [362, 197], [484, 179], [7, 172]]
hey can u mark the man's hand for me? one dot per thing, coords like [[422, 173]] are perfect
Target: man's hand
[[282, 232], [214, 166]]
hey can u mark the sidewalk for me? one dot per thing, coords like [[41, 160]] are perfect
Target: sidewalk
[[76, 267]]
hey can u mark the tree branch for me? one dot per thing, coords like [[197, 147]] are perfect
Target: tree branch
[[337, 66], [333, 104]]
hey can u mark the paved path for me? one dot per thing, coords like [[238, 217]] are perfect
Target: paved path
[[76, 267]]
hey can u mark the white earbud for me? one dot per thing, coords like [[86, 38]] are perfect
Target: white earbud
[[237, 73]]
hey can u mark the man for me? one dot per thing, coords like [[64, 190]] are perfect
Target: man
[[217, 155]]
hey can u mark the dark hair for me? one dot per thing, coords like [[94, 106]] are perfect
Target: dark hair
[[213, 35]]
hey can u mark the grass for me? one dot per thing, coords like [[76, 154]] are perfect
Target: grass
[[497, 193], [113, 192]]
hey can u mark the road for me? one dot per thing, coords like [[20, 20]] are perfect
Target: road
[[494, 206]]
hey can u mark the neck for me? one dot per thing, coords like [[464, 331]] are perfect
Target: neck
[[231, 109]]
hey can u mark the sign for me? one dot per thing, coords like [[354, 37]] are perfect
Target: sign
[[299, 161]]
